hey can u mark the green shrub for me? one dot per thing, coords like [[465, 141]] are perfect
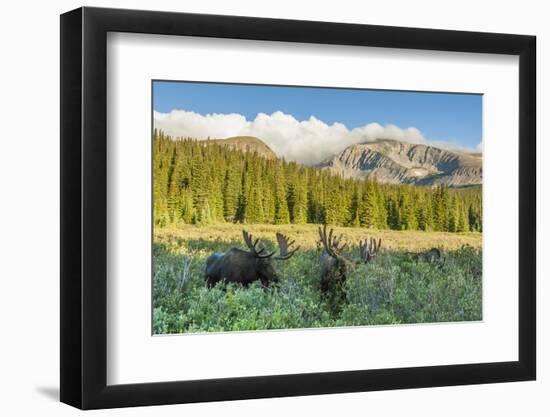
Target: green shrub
[[392, 289]]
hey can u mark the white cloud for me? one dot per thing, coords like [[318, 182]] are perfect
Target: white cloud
[[479, 147], [309, 141]]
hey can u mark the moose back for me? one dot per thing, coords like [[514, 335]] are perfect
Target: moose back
[[245, 267]]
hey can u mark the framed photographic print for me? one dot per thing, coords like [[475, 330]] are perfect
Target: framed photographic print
[[257, 207]]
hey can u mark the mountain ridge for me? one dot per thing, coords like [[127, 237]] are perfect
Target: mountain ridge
[[387, 160], [246, 144], [395, 162]]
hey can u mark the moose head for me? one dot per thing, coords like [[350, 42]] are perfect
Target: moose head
[[368, 250], [432, 256], [335, 265], [237, 265]]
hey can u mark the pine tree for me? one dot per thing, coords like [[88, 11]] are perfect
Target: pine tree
[[381, 215], [297, 199], [368, 210], [406, 212], [332, 207], [231, 192], [422, 216], [282, 215], [462, 225], [354, 208], [199, 187], [203, 182]]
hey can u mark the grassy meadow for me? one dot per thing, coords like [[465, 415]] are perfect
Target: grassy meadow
[[392, 289]]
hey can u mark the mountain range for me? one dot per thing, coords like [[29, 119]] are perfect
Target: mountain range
[[246, 144], [394, 162], [388, 161]]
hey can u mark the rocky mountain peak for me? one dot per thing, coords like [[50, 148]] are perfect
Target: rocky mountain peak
[[395, 162]]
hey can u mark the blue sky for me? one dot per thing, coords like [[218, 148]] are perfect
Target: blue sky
[[309, 125], [439, 116]]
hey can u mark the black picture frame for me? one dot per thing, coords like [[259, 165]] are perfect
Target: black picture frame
[[84, 207]]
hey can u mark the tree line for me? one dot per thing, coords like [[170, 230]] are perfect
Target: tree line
[[198, 182]]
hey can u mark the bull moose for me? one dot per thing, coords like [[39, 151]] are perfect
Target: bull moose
[[334, 265], [432, 256], [245, 267]]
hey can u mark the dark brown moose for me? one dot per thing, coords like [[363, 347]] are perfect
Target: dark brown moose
[[245, 267], [334, 265], [432, 256]]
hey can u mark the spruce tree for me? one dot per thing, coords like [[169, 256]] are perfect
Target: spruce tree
[[282, 215], [204, 182], [231, 192]]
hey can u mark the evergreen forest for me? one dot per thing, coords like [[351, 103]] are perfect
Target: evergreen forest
[[197, 182]]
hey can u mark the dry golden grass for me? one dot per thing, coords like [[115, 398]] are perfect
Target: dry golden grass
[[306, 235]]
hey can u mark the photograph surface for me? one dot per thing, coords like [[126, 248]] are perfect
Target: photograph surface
[[289, 207]]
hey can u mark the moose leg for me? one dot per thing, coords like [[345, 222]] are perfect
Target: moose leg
[[325, 280], [210, 282]]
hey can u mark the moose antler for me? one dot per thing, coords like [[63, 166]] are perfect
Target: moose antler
[[369, 249], [331, 243], [252, 246], [284, 245]]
